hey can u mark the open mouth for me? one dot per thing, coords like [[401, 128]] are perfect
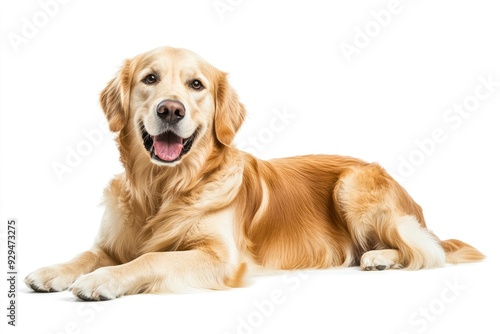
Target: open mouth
[[167, 147]]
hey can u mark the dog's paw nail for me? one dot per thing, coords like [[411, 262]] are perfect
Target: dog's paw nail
[[83, 297], [103, 298]]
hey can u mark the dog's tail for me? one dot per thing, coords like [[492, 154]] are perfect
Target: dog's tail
[[460, 252]]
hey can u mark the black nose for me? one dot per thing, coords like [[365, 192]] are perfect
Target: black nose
[[171, 111]]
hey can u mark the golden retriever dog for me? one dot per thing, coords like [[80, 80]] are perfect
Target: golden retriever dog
[[191, 211]]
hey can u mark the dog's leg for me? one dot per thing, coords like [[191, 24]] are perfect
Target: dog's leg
[[385, 223], [415, 247], [212, 262], [178, 271], [59, 277]]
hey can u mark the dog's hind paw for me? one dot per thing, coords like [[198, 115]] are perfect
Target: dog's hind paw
[[380, 260]]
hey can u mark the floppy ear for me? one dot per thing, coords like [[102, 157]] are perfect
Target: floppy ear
[[229, 112], [115, 99]]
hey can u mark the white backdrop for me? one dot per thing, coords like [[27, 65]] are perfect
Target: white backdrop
[[413, 85]]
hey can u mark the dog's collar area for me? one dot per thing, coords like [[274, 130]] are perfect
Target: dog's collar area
[[167, 147]]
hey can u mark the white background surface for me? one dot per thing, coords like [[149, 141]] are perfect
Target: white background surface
[[285, 56]]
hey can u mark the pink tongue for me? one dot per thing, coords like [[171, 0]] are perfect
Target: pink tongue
[[167, 147]]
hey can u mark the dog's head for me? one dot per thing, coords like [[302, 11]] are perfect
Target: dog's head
[[172, 100]]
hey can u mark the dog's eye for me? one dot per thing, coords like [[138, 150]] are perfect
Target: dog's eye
[[150, 79], [196, 85]]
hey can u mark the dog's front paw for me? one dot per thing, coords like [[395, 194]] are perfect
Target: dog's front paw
[[51, 279], [99, 285]]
